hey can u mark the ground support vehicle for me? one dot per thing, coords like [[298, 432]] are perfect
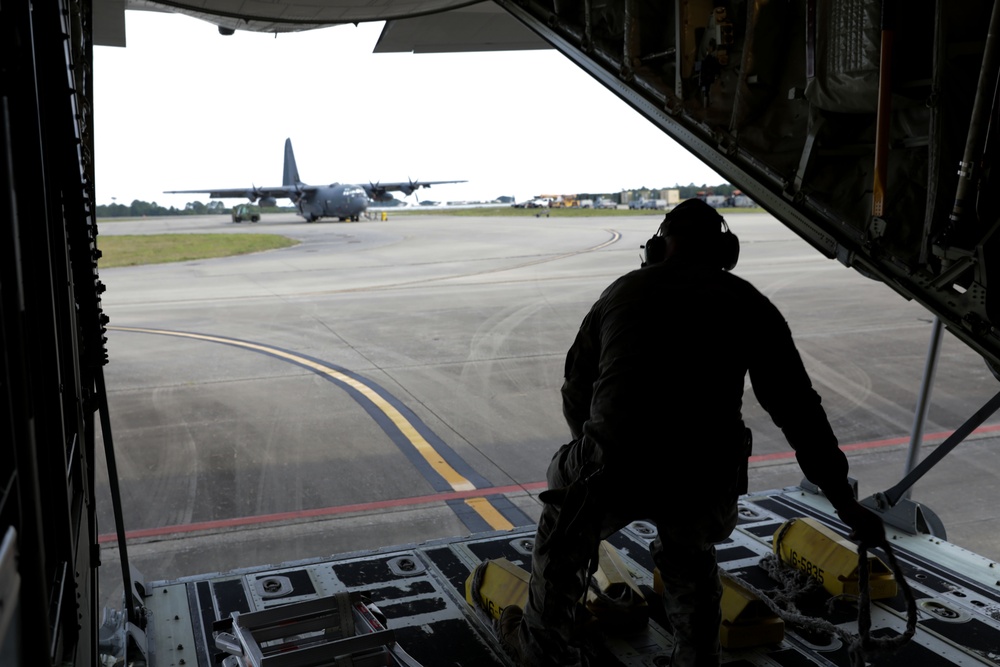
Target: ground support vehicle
[[247, 212]]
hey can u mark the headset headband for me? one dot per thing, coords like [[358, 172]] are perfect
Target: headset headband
[[696, 219]]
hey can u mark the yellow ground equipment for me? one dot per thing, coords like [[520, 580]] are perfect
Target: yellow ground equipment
[[808, 545], [746, 620], [614, 600], [500, 583]]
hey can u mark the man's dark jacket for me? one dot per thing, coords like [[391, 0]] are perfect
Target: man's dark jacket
[[655, 378]]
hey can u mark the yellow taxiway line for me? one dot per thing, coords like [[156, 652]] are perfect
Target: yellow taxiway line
[[457, 482]]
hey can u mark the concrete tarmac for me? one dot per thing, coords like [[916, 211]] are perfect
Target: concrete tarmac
[[392, 382]]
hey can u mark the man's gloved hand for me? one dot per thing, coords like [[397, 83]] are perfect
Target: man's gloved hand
[[866, 526]]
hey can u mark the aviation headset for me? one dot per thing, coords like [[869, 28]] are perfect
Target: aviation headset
[[687, 220]]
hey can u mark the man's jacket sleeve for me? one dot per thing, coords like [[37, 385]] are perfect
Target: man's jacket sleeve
[[580, 373], [785, 391]]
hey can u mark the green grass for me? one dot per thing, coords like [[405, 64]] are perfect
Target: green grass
[[511, 212], [134, 250]]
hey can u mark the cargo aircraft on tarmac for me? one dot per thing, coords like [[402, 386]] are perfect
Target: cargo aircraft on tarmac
[[344, 201], [871, 128]]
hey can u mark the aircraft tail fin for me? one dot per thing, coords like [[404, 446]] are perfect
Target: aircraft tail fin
[[291, 173]]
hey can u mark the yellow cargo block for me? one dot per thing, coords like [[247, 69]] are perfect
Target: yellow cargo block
[[503, 584], [621, 606], [746, 621], [808, 545]]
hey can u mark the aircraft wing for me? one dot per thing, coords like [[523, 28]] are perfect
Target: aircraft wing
[[251, 193], [377, 190]]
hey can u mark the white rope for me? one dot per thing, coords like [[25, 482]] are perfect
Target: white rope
[[793, 583]]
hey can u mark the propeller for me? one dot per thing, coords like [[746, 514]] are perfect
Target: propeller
[[413, 186]]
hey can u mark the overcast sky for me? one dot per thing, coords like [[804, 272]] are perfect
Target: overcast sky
[[183, 108]]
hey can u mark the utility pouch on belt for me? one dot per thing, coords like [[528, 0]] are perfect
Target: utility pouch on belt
[[743, 472]]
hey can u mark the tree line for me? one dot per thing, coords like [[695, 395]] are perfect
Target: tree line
[[142, 209]]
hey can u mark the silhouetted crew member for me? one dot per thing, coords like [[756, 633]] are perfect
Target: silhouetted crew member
[[653, 393]]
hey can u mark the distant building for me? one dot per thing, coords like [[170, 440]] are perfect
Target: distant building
[[740, 200]]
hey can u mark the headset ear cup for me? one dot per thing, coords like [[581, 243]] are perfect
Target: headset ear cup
[[729, 250], [655, 250]]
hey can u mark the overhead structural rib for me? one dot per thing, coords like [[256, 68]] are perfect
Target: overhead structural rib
[[783, 101]]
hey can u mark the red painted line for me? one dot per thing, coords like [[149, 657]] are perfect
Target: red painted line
[[322, 512], [443, 497], [875, 444]]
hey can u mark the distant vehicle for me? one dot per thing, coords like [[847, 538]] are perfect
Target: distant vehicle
[[655, 204], [243, 212], [337, 200], [605, 203], [562, 201], [532, 203]]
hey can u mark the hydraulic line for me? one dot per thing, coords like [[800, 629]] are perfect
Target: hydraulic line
[[978, 124], [116, 497]]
